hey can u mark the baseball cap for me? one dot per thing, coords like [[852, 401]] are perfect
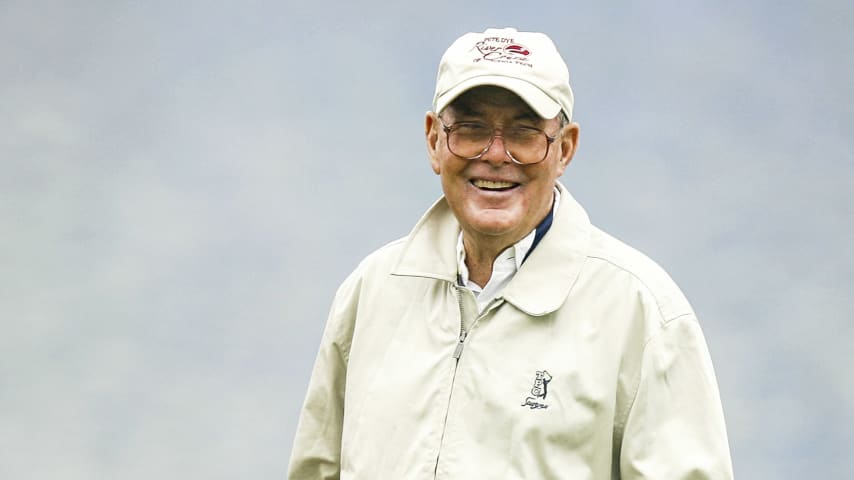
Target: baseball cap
[[526, 63]]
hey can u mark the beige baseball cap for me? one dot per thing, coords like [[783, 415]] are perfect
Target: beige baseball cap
[[526, 63]]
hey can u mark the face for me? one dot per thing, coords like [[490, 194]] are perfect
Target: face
[[494, 198]]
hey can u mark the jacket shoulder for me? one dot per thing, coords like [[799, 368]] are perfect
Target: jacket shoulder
[[377, 264], [610, 253], [372, 270], [383, 259]]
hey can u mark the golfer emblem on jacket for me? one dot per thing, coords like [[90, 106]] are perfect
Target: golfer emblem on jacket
[[538, 391]]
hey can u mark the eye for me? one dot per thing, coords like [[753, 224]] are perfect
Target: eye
[[524, 133], [472, 129]]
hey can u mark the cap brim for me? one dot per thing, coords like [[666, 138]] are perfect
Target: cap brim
[[533, 96]]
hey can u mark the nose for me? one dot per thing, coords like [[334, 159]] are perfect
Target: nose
[[496, 153]]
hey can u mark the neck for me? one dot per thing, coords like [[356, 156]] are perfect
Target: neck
[[481, 254]]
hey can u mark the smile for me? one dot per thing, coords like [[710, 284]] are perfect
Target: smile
[[491, 185]]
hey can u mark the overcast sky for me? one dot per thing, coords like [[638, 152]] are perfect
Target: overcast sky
[[183, 185]]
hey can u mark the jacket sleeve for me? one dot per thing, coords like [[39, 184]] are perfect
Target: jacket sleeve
[[675, 427], [316, 451]]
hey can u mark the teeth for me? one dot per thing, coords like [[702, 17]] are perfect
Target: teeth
[[491, 184]]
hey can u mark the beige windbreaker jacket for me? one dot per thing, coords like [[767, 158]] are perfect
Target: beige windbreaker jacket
[[591, 366]]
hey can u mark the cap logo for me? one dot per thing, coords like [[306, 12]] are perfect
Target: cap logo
[[502, 50]]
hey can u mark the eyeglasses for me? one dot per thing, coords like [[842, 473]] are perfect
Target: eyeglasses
[[524, 145]]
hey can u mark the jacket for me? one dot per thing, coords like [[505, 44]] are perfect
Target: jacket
[[591, 365]]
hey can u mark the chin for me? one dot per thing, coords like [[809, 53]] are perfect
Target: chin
[[487, 223]]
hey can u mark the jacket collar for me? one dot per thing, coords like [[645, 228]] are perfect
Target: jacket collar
[[545, 279]]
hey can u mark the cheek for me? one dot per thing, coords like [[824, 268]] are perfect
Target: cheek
[[541, 189], [450, 168]]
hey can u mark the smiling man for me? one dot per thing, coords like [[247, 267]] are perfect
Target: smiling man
[[505, 336]]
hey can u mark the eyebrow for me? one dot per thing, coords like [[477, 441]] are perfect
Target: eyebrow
[[529, 116], [465, 110]]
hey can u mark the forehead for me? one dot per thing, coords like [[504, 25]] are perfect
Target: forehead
[[489, 101]]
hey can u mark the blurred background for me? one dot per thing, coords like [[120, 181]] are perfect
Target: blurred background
[[183, 185]]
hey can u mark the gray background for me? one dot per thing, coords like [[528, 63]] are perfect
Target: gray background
[[183, 186]]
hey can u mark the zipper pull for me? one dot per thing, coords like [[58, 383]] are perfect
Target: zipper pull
[[459, 350]]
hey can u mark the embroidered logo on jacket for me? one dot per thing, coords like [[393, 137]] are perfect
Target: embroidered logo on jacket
[[538, 391]]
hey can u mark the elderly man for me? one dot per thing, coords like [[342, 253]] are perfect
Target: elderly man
[[506, 337]]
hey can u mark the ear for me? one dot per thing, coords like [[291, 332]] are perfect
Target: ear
[[568, 142], [431, 132]]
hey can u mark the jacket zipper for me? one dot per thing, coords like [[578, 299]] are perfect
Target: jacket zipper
[[458, 351], [463, 333]]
